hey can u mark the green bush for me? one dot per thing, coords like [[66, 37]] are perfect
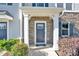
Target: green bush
[[19, 49], [7, 44]]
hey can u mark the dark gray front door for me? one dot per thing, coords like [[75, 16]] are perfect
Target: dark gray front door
[[40, 34]]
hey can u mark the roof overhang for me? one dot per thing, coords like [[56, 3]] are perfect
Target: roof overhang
[[5, 16], [41, 11]]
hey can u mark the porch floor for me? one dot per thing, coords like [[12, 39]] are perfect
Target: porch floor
[[41, 51]]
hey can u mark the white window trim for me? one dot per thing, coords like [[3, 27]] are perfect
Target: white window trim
[[64, 6], [68, 29], [72, 6], [56, 5], [7, 30], [45, 31]]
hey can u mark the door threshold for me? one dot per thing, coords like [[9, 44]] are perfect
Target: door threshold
[[40, 47]]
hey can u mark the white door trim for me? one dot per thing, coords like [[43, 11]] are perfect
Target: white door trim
[[45, 31]]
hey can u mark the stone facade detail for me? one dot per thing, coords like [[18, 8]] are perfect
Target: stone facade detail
[[69, 46]]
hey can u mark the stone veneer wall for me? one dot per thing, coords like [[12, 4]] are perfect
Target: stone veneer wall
[[49, 28], [68, 45], [73, 17]]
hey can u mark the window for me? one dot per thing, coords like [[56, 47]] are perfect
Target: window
[[60, 5], [3, 30], [65, 26], [23, 4], [46, 4], [68, 6], [40, 4], [33, 4], [9, 4]]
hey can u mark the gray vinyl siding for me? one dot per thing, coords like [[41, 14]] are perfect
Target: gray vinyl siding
[[76, 6], [14, 26]]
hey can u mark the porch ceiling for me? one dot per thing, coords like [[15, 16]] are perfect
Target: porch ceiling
[[41, 11]]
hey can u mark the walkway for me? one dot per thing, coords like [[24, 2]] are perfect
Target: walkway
[[42, 52]]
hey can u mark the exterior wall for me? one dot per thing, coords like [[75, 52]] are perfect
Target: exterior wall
[[49, 29], [73, 18], [69, 45], [14, 26], [76, 6]]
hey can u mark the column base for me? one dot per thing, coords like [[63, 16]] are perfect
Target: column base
[[55, 47]]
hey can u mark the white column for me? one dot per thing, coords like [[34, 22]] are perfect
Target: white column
[[26, 29], [55, 31], [20, 19]]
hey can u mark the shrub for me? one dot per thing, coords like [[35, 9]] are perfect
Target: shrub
[[19, 49], [7, 44]]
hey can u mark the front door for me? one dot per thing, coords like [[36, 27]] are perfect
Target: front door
[[40, 34]]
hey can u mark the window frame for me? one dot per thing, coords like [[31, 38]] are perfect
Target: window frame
[[65, 29], [5, 29], [71, 6], [36, 5]]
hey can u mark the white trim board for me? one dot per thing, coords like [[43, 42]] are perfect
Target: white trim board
[[35, 31], [7, 30]]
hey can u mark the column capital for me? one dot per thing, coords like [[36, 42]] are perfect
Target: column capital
[[25, 15], [55, 15]]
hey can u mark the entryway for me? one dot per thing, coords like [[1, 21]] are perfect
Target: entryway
[[40, 31]]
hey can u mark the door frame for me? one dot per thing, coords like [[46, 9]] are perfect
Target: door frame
[[35, 31]]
